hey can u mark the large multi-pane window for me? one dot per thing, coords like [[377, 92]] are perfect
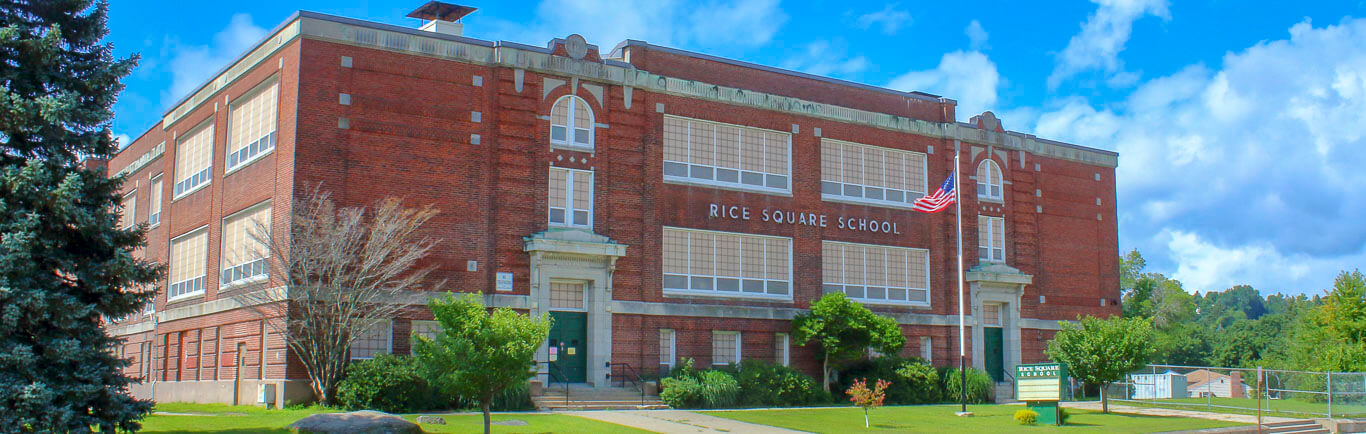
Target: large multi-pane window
[[571, 123], [193, 161], [726, 155], [989, 180], [189, 254], [427, 329], [876, 274], [128, 210], [667, 345], [571, 197], [252, 125], [567, 295], [991, 238], [376, 340], [245, 252], [725, 347], [727, 264], [871, 174], [154, 214]]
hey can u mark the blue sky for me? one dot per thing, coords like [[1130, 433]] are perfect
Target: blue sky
[[1239, 123]]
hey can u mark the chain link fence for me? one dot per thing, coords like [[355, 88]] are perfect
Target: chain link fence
[[1238, 390]]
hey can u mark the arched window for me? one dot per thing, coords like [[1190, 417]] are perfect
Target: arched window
[[989, 180], [571, 123]]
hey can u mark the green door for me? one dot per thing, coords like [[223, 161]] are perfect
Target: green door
[[995, 352], [569, 347]]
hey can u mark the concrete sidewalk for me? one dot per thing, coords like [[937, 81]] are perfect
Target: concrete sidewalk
[[1155, 411], [675, 421]]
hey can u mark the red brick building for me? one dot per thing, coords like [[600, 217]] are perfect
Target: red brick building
[[660, 204]]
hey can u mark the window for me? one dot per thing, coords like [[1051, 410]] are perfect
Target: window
[[376, 340], [726, 264], [427, 329], [871, 174], [989, 180], [991, 315], [726, 155], [188, 260], [725, 347], [566, 295], [128, 210], [571, 123], [666, 348], [251, 132], [991, 239], [571, 197], [780, 349], [154, 214], [926, 348], [193, 161], [876, 274], [245, 254]]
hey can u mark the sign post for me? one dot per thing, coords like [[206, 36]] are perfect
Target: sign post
[[1041, 387]]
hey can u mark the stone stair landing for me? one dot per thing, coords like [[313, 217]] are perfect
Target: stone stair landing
[[585, 397]]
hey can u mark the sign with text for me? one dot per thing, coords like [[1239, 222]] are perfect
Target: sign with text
[[1040, 382], [504, 281], [789, 217]]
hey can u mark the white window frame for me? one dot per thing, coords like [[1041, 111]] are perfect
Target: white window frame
[[689, 166], [267, 142], [995, 253], [782, 343], [715, 293], [907, 202], [583, 301], [570, 126], [206, 172], [927, 348], [170, 285], [569, 198], [158, 190], [992, 182], [825, 283], [672, 348], [738, 341], [131, 210], [412, 326], [223, 254], [389, 349]]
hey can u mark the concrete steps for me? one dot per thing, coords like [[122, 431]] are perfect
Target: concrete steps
[[583, 397], [1296, 426], [1005, 392]]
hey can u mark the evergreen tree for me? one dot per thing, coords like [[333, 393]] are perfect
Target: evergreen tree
[[64, 266]]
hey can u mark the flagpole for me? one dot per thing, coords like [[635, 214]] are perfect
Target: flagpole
[[962, 322]]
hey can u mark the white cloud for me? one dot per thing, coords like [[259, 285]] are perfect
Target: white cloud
[[1244, 173], [824, 58], [890, 19], [675, 23], [122, 140], [193, 65], [967, 76], [1102, 37], [977, 36]]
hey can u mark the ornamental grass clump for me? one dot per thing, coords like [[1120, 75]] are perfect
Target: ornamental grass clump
[[867, 398]]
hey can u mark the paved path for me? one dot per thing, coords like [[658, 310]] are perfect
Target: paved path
[[1154, 411], [676, 421]]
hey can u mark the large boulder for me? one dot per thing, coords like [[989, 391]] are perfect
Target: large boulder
[[360, 422]]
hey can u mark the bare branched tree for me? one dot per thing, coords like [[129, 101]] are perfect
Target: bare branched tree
[[343, 272]]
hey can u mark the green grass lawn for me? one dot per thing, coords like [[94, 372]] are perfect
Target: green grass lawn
[[1273, 407], [941, 418], [218, 418]]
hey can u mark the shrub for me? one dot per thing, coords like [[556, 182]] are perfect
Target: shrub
[[681, 392], [921, 387], [513, 398], [1026, 416], [386, 383], [1062, 416], [719, 389], [980, 385], [763, 383]]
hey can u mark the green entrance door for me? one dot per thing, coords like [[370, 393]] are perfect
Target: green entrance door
[[995, 352], [569, 347]]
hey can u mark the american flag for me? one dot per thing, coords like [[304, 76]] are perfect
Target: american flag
[[937, 201]]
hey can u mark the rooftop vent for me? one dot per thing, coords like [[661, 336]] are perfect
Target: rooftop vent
[[442, 17]]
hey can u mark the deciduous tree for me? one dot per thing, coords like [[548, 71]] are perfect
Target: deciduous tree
[[1102, 351], [843, 329]]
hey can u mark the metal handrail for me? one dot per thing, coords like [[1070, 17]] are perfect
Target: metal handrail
[[551, 373], [635, 380]]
